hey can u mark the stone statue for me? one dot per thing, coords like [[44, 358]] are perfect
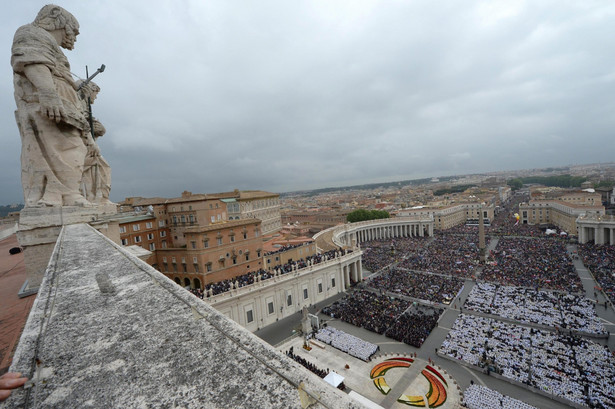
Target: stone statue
[[49, 112], [96, 172]]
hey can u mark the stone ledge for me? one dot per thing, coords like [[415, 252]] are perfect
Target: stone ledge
[[107, 330]]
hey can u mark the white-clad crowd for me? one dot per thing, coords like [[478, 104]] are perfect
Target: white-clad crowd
[[570, 367], [548, 308], [348, 343], [481, 397]]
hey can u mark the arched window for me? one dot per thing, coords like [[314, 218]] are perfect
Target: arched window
[[186, 282], [197, 283], [178, 281]]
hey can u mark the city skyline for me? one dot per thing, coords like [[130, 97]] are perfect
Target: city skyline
[[297, 96]]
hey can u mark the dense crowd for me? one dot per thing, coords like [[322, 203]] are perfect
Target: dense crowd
[[569, 312], [448, 254], [413, 327], [251, 277], [600, 260], [311, 367], [368, 310], [425, 286], [390, 316], [569, 367], [527, 262], [378, 254], [481, 397], [350, 344]]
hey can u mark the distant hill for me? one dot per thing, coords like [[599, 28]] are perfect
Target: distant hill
[[5, 210]]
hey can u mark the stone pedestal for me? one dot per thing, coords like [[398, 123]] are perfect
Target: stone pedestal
[[39, 228]]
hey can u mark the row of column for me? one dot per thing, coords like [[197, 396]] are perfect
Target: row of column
[[352, 271], [394, 231], [598, 234]]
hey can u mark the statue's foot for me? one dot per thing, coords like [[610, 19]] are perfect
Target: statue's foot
[[76, 200], [47, 203], [105, 201]]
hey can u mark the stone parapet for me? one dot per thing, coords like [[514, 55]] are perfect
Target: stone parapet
[[107, 330]]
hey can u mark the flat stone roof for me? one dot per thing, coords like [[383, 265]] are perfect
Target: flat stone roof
[[107, 330]]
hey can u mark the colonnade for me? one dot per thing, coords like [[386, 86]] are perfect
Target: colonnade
[[597, 233], [355, 233]]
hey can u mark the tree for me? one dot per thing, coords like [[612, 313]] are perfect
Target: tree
[[360, 215], [515, 184]]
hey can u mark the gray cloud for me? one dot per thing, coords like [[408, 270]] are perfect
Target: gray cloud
[[277, 95]]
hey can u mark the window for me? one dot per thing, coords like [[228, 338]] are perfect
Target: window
[[249, 316], [137, 239], [289, 299], [234, 260], [148, 225], [160, 223], [270, 307], [208, 267], [124, 242], [191, 218], [163, 234], [247, 257], [213, 219], [233, 239], [205, 243], [122, 229], [150, 236], [193, 244], [196, 268], [258, 253], [219, 241], [183, 218], [136, 227], [164, 244], [305, 293], [152, 246], [333, 282], [183, 260], [245, 235], [319, 287]]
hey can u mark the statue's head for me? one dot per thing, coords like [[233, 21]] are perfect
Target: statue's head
[[52, 17]]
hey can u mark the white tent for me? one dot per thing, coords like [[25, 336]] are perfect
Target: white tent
[[550, 231], [334, 379]]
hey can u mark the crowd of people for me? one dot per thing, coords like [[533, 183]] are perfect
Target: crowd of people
[[350, 344], [378, 254], [449, 254], [531, 262], [569, 312], [600, 260], [413, 327], [251, 277], [391, 316], [311, 367], [481, 397], [570, 367], [363, 308], [424, 286]]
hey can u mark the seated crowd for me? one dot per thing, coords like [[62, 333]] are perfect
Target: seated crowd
[[286, 247], [569, 312], [600, 260], [424, 286], [350, 344], [448, 254], [311, 367], [413, 327], [386, 315], [527, 262], [368, 310], [378, 254], [569, 367], [481, 397]]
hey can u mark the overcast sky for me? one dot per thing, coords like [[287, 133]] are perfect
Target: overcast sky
[[213, 95]]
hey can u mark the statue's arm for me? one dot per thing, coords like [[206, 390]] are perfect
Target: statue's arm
[[50, 103]]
